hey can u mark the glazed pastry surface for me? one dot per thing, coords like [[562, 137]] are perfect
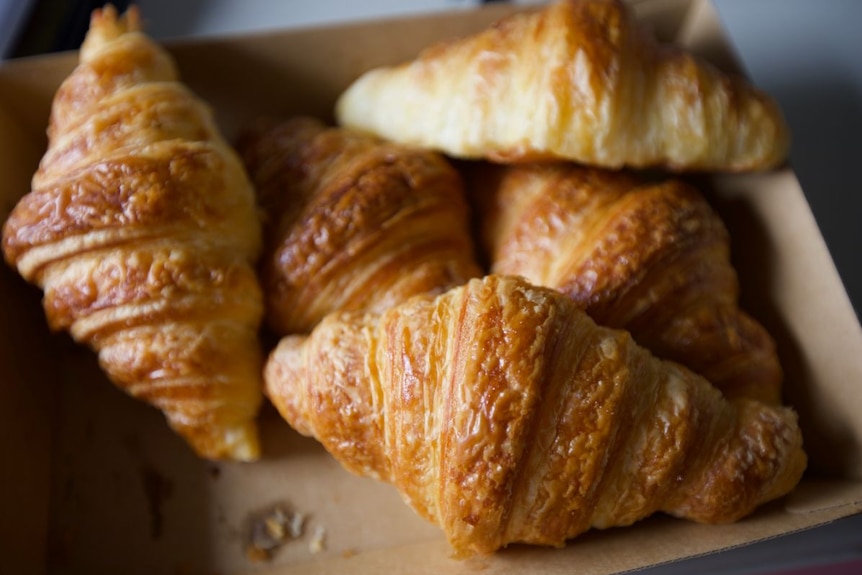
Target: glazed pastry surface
[[577, 80], [354, 223], [649, 257], [503, 413]]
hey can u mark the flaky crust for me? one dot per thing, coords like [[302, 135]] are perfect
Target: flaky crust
[[577, 80], [649, 257], [503, 414], [141, 228], [354, 223]]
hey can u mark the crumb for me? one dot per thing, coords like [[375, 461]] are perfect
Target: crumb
[[256, 554], [294, 527], [349, 552], [274, 528], [318, 540], [269, 530]]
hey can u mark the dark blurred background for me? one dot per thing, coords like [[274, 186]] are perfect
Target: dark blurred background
[[33, 27]]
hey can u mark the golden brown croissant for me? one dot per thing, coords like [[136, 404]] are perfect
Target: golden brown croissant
[[652, 258], [578, 80], [141, 228], [504, 414], [356, 223]]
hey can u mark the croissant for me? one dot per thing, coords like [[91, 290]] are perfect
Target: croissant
[[578, 80], [503, 413], [649, 257], [141, 229], [355, 223]]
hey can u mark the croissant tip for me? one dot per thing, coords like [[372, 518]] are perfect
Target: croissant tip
[[238, 442], [109, 16], [106, 24]]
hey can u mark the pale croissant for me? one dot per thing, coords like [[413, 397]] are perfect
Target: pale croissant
[[579, 80], [141, 228], [355, 223], [503, 413], [649, 257]]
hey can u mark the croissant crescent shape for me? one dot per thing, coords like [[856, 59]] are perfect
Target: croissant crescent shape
[[356, 223], [141, 229], [651, 258], [503, 413], [578, 80]]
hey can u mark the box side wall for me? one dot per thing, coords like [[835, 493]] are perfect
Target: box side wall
[[790, 283], [303, 71], [25, 380]]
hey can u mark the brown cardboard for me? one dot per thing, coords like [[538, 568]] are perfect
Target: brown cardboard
[[94, 482]]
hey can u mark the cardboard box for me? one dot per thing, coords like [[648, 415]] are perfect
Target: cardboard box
[[93, 481]]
